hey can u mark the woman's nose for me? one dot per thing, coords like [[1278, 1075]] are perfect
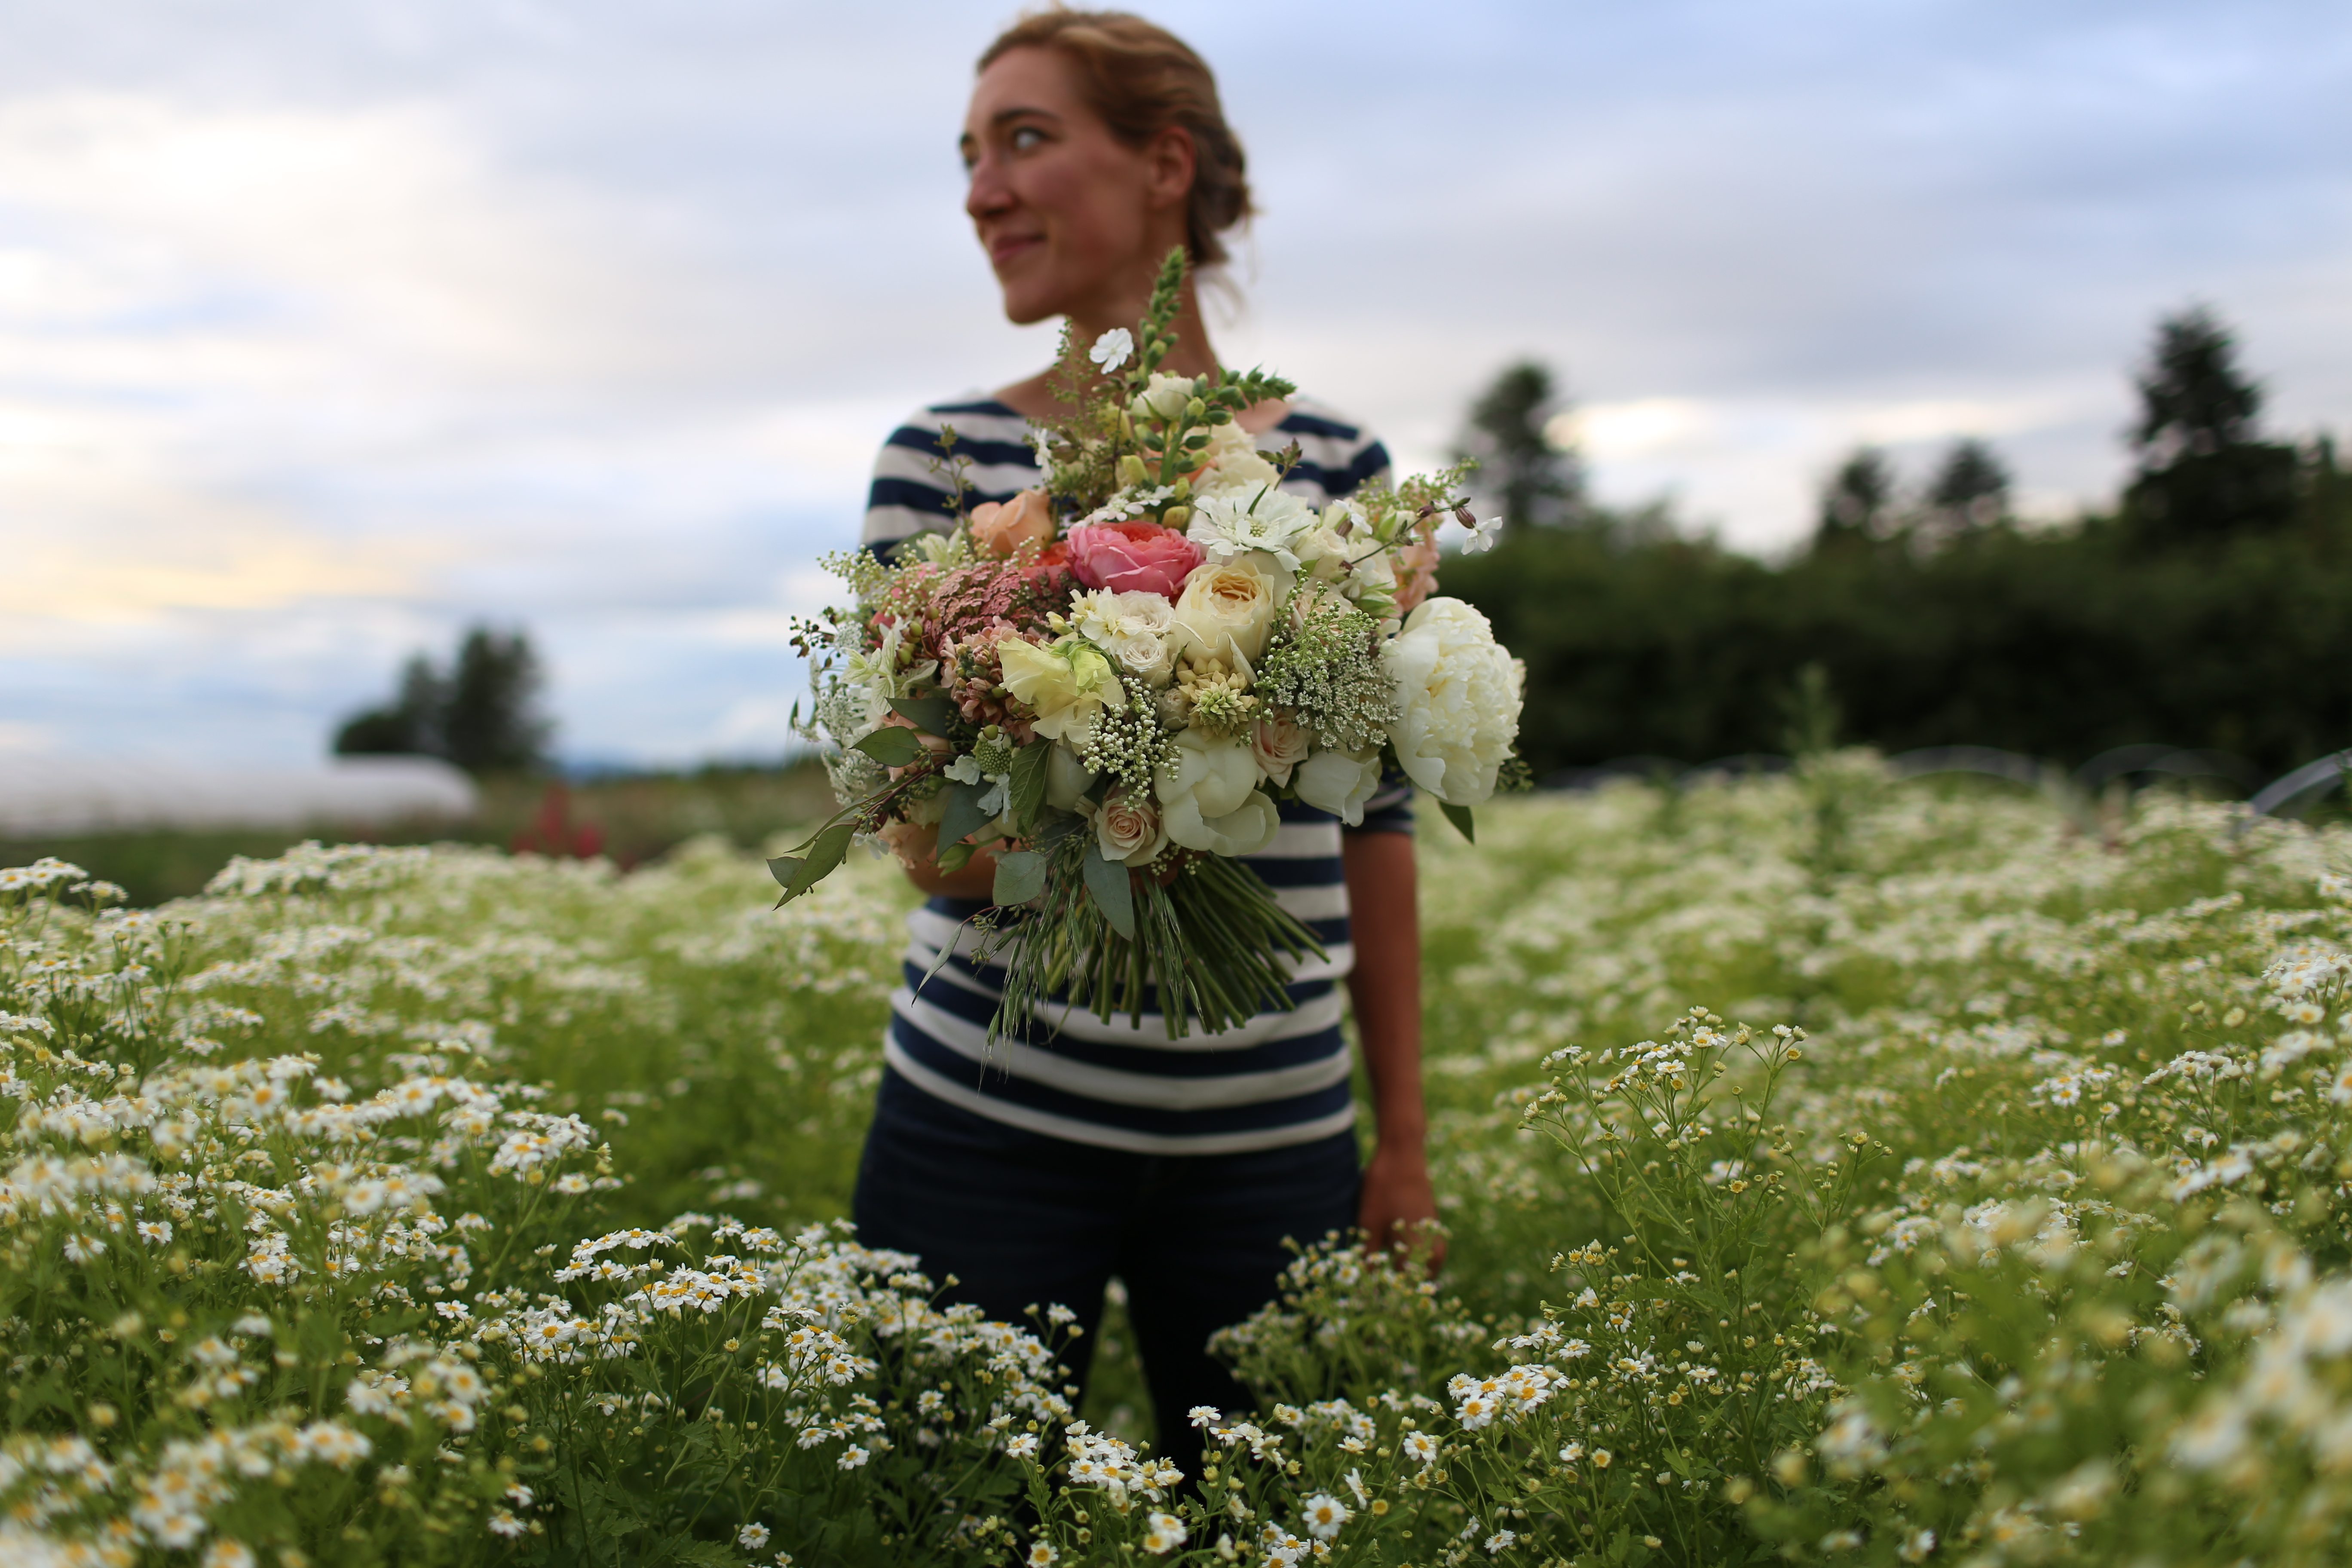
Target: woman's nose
[[987, 194]]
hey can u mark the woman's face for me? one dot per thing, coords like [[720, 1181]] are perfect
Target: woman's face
[[1075, 223]]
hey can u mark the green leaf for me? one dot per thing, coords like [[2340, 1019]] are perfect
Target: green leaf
[[1020, 877], [824, 853], [956, 856], [892, 746], [1106, 881], [963, 818], [1459, 817], [1029, 771], [930, 715]]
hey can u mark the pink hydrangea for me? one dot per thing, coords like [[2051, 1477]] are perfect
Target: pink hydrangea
[[1132, 558]]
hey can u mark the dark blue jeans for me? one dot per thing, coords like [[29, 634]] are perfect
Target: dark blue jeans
[[1023, 1218]]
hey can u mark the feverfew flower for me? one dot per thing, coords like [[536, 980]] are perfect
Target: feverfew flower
[[1324, 1515], [751, 1537], [1163, 1534]]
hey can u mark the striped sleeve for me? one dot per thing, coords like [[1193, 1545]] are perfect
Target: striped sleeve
[[914, 489], [1336, 456]]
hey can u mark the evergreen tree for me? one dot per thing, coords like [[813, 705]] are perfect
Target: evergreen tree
[[1858, 502], [1972, 486], [483, 715], [410, 726], [1521, 470], [491, 724], [2203, 470]]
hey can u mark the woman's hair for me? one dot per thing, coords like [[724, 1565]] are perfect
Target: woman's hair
[[1143, 79]]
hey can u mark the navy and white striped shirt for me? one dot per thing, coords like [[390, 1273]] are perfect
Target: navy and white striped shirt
[[1281, 1078]]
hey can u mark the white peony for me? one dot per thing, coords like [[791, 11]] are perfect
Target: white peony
[[1460, 695], [1234, 463], [1135, 629], [1338, 782], [1239, 522], [1226, 610], [1210, 797]]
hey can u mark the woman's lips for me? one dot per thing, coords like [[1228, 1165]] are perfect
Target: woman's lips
[[1005, 248]]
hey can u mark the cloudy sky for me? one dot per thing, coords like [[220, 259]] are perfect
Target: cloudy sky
[[328, 326]]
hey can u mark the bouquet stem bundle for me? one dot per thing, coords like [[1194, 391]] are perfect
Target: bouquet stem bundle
[[1209, 944]]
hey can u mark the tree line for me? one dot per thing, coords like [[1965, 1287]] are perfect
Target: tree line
[[2206, 607]]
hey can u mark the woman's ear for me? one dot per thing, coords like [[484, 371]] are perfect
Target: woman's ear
[[1169, 162]]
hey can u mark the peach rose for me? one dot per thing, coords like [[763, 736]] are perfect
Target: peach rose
[[1001, 528], [1278, 744]]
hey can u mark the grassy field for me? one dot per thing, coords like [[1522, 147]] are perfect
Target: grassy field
[[2010, 1230]]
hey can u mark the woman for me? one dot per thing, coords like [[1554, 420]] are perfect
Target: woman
[[1033, 1173]]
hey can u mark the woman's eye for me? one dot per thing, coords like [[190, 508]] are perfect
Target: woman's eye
[[1025, 137]]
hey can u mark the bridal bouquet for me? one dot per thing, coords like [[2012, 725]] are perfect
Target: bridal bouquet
[[1109, 683]]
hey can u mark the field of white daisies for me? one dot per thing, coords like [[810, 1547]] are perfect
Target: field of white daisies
[[1837, 1170]]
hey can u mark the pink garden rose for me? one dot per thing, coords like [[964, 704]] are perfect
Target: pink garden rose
[[1133, 558]]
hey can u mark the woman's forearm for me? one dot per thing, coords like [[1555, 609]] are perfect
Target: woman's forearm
[[1385, 985]]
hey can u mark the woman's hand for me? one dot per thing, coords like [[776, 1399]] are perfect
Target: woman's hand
[[1399, 1207], [918, 851]]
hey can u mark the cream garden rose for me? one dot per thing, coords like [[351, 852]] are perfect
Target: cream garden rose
[[1130, 826], [1068, 684], [1459, 691], [1228, 608], [1278, 744], [1210, 798], [1137, 629]]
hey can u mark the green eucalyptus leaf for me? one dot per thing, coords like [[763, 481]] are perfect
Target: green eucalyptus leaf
[[892, 746], [962, 816], [1020, 877], [824, 853], [1459, 817], [1029, 772], [931, 714], [1106, 881]]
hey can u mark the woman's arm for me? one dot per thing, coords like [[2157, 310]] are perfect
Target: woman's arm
[[1385, 986]]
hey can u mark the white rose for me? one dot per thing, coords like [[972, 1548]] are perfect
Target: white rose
[[1164, 397], [1278, 743], [1340, 782], [1135, 629], [1460, 695], [1234, 464], [1130, 826], [1210, 800], [1226, 610]]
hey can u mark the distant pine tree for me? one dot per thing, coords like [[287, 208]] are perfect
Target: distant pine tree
[[2203, 470], [1522, 471], [1858, 502], [483, 715]]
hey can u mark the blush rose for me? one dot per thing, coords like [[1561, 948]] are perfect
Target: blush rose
[[1132, 558]]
